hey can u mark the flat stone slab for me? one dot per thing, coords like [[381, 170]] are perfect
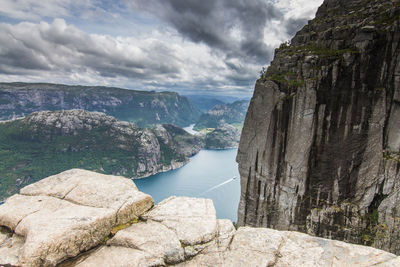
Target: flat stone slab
[[192, 219], [261, 247], [93, 189], [119, 257], [153, 238], [63, 215], [268, 247]]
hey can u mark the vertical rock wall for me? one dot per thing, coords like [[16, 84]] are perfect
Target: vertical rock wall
[[320, 148]]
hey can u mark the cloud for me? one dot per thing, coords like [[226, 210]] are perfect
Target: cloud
[[33, 10], [59, 47], [235, 27], [180, 45], [60, 52]]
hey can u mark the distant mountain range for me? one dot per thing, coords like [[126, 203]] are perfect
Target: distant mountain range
[[233, 113], [206, 102], [141, 107]]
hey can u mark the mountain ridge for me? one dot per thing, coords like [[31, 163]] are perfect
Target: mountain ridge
[[144, 108]]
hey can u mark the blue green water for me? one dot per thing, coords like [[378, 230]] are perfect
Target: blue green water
[[209, 174]]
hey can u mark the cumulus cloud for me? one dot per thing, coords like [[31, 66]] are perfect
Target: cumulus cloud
[[183, 45], [159, 61], [59, 47]]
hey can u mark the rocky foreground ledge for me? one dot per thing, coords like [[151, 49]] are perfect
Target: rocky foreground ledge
[[82, 218]]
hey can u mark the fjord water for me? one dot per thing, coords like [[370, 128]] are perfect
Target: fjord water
[[209, 174]]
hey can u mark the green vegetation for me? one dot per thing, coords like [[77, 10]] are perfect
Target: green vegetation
[[26, 156], [395, 156], [123, 226], [291, 79], [374, 230], [235, 225], [32, 151], [285, 78]]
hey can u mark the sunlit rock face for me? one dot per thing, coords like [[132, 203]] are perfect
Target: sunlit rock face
[[319, 151], [82, 218]]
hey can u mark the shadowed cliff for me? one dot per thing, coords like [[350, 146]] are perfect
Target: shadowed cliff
[[319, 151]]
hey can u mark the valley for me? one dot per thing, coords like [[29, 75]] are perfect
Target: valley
[[48, 142]]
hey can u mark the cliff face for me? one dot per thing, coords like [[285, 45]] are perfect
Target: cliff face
[[81, 218], [141, 107], [319, 151], [49, 142]]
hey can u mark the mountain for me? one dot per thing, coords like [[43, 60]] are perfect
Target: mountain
[[141, 107], [223, 137], [48, 142], [225, 113], [320, 147], [204, 103], [81, 218]]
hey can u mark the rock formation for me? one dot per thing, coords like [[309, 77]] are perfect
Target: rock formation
[[81, 218], [319, 151], [223, 137], [141, 107], [48, 142], [64, 215]]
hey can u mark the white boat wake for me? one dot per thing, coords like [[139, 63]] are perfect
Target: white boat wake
[[219, 185]]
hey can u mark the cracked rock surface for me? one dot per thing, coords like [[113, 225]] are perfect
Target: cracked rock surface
[[81, 218], [66, 214]]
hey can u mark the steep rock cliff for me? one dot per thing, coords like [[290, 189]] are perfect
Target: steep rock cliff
[[319, 151]]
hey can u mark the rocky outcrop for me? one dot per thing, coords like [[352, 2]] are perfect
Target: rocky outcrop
[[223, 137], [66, 214], [49, 142], [81, 218], [319, 151], [141, 107], [182, 141]]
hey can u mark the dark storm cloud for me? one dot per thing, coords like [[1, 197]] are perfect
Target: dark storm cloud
[[235, 27], [58, 47], [294, 25]]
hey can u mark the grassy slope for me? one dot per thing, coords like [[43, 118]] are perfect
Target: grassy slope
[[27, 156]]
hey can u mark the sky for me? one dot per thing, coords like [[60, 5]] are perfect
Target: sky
[[188, 46]]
